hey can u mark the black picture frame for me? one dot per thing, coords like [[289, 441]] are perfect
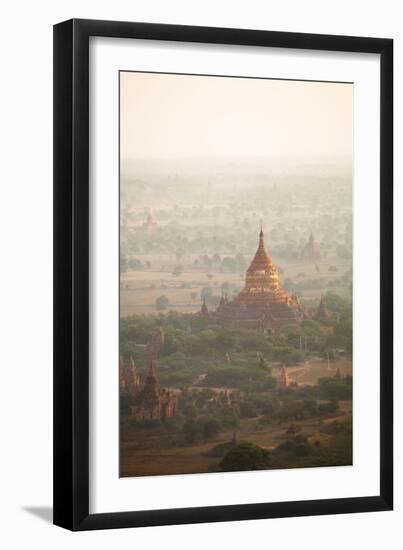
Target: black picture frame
[[71, 273]]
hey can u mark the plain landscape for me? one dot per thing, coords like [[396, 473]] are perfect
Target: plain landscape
[[189, 231]]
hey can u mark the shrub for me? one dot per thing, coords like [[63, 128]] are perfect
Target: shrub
[[297, 445], [210, 429], [248, 410], [334, 389], [162, 302], [245, 456], [221, 449]]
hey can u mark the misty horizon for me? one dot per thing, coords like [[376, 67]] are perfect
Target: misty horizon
[[185, 116]]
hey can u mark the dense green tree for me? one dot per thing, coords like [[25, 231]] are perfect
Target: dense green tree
[[191, 430], [245, 456], [134, 264], [297, 445], [210, 429], [178, 270], [334, 389], [248, 409], [162, 303]]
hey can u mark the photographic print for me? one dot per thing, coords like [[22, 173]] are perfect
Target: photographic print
[[235, 274]]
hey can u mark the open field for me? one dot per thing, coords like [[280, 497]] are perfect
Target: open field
[[140, 289], [137, 461], [315, 368]]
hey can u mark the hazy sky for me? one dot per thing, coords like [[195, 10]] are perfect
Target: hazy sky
[[175, 116]]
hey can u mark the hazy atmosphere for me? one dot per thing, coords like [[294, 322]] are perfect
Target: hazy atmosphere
[[235, 274], [182, 117]]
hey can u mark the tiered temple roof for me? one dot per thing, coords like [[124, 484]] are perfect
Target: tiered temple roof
[[153, 402], [262, 303]]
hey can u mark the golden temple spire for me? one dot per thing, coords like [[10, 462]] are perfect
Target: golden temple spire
[[262, 273], [262, 260]]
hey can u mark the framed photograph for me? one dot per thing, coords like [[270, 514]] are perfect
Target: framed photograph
[[223, 248]]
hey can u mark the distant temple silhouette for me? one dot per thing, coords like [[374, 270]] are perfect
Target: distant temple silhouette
[[204, 309], [150, 224], [312, 250], [322, 313], [154, 346]]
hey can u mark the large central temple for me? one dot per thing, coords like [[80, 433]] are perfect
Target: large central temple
[[262, 304]]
